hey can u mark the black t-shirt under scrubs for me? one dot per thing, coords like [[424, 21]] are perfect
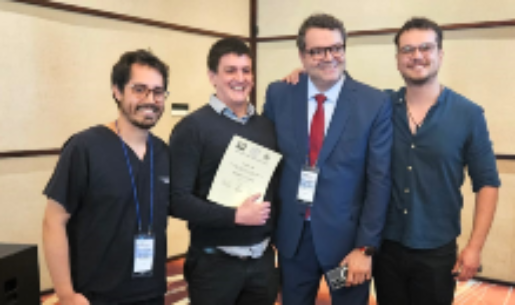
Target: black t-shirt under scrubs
[[92, 182]]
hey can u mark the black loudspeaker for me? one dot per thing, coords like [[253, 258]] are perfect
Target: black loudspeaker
[[19, 275]]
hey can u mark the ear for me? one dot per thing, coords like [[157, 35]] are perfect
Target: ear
[[301, 56], [116, 93], [304, 60], [398, 60], [212, 77], [440, 54]]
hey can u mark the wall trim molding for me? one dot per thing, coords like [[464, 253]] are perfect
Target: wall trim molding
[[29, 153], [253, 39], [505, 157], [125, 18], [176, 257], [494, 281], [388, 31]]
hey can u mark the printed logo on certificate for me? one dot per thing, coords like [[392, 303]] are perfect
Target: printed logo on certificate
[[246, 169]]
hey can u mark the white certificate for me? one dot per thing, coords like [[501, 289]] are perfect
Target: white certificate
[[245, 170]]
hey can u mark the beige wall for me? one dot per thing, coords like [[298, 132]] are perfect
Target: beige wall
[[55, 81], [227, 16], [22, 205], [498, 258], [477, 63], [284, 17], [60, 64]]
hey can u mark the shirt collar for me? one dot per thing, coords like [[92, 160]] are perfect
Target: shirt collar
[[221, 108], [400, 97], [331, 94]]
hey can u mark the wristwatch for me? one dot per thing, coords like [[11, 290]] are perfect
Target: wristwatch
[[368, 251]]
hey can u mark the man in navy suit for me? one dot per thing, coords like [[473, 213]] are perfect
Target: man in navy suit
[[335, 135]]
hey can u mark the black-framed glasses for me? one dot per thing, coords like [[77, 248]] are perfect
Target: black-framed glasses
[[319, 53], [424, 48], [142, 91]]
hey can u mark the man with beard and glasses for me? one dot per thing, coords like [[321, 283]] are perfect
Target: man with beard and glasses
[[106, 216], [437, 134], [335, 134]]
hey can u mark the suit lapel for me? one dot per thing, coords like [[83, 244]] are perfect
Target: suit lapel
[[300, 115], [339, 119]]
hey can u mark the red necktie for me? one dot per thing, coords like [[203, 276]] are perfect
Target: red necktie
[[316, 136]]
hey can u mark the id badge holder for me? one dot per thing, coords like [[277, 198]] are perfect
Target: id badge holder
[[308, 184], [144, 246]]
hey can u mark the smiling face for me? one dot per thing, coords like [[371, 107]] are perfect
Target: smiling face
[[233, 79], [324, 72], [140, 109], [418, 56]]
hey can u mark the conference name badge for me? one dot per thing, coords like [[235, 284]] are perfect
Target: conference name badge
[[308, 184], [143, 255]]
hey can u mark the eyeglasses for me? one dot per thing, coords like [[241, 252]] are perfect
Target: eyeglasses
[[142, 91], [424, 48], [319, 53]]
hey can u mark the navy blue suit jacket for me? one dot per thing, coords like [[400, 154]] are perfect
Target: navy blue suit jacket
[[354, 183]]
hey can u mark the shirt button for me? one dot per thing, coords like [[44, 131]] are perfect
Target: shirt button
[[406, 190], [405, 211], [412, 146], [409, 168]]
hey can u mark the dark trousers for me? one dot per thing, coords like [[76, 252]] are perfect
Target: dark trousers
[[405, 276], [301, 275], [153, 301], [221, 279]]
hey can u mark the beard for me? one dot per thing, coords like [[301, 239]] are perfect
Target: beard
[[142, 124], [421, 81], [410, 81]]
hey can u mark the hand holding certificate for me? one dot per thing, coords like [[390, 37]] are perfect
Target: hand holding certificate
[[252, 213], [245, 170]]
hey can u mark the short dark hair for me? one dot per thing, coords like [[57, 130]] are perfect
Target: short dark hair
[[223, 47], [420, 23], [321, 21], [121, 73]]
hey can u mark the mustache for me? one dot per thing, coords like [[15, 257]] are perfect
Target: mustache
[[150, 106], [418, 61], [328, 63]]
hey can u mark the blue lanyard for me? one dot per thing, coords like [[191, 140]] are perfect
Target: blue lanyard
[[134, 189]]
